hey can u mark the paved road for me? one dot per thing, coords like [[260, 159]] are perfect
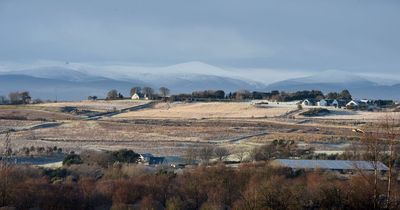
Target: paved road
[[129, 109], [33, 127], [237, 140]]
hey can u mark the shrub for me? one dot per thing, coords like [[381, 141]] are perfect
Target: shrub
[[315, 112], [59, 173], [299, 107], [72, 159], [126, 156]]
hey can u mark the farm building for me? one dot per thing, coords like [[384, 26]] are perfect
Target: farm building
[[332, 165], [309, 102], [135, 96]]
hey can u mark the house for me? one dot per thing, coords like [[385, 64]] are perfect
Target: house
[[353, 104], [138, 96], [330, 165], [309, 102], [384, 103], [361, 104], [339, 103], [150, 159], [156, 160], [135, 96], [327, 102]]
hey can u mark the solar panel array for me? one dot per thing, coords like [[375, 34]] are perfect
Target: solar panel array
[[331, 164]]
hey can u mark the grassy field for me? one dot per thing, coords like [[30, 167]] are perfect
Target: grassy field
[[99, 105], [208, 110], [172, 128]]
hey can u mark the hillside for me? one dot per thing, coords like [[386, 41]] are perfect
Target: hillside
[[78, 82]]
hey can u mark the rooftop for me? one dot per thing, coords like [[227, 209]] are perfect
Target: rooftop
[[330, 164]]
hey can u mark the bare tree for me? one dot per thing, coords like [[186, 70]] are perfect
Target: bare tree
[[205, 154], [112, 94], [148, 92], [391, 134], [222, 153], [164, 92], [25, 97], [135, 90], [19, 97], [242, 94], [191, 155], [378, 143], [15, 97]]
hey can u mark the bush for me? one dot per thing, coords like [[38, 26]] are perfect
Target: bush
[[72, 159], [315, 112], [126, 156], [299, 107], [56, 173]]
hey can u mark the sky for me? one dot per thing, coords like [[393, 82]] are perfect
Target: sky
[[295, 36]]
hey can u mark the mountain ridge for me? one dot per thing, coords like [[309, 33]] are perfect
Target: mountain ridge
[[180, 78]]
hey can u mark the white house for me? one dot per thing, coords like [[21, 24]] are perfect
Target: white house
[[328, 102], [135, 96], [309, 102], [322, 102], [360, 104], [335, 103], [353, 103]]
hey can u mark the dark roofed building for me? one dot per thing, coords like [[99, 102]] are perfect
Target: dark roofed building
[[309, 102], [338, 165], [156, 160]]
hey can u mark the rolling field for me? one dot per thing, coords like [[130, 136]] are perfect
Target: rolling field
[[208, 110], [172, 128]]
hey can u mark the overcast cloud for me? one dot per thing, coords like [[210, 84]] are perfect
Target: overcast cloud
[[309, 35]]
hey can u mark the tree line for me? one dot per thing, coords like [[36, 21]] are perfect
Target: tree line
[[18, 98], [145, 92], [257, 95], [164, 93]]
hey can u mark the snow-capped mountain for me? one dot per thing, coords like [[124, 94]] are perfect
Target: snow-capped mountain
[[84, 80], [76, 81], [333, 80]]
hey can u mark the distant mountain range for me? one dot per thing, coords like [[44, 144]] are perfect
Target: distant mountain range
[[328, 81], [62, 83], [77, 82]]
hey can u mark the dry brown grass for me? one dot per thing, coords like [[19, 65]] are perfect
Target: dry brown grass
[[169, 129], [33, 114], [207, 110], [99, 105], [343, 115]]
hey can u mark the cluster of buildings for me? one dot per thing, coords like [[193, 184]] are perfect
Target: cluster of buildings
[[349, 104], [139, 96]]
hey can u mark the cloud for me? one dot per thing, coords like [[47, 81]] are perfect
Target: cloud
[[312, 35]]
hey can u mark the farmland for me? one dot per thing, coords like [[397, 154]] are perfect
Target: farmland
[[172, 128]]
